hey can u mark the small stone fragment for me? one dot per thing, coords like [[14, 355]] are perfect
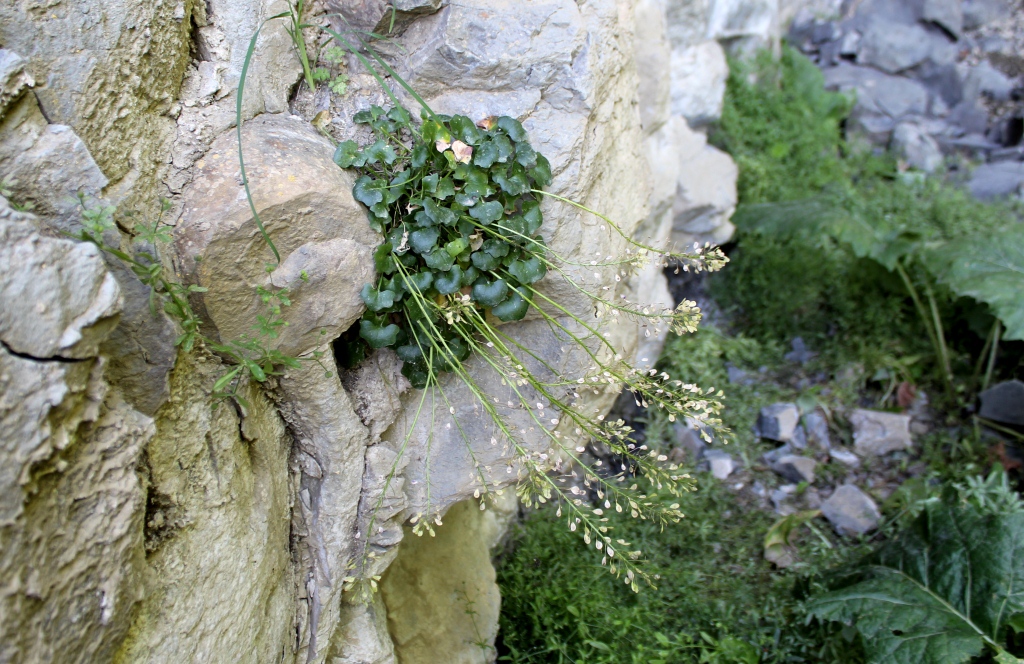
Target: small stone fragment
[[720, 463], [796, 468], [851, 511], [845, 457], [817, 430], [688, 440], [799, 439], [778, 421], [876, 433], [1004, 403], [776, 454]]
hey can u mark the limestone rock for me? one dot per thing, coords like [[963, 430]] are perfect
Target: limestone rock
[[882, 99], [893, 47], [688, 439], [698, 77], [876, 433], [705, 192], [817, 430], [947, 14], [435, 581], [795, 468], [687, 21], [720, 463], [748, 24], [57, 298], [305, 202], [1004, 403], [845, 457], [977, 13], [48, 164], [851, 511], [652, 51], [920, 150], [778, 421], [997, 180], [376, 387], [14, 80], [363, 634]]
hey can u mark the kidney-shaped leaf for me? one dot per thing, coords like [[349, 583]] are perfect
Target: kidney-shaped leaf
[[490, 294], [378, 336]]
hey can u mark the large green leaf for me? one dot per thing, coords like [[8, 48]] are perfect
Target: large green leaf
[[990, 269], [939, 592]]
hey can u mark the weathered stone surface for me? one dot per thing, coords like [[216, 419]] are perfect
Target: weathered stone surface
[[977, 13], [1004, 403], [996, 180], [698, 82], [57, 298], [71, 558], [305, 202], [720, 463], [893, 47], [947, 14], [688, 439], [706, 190], [920, 150], [376, 387], [876, 433], [816, 426], [652, 50], [851, 511], [328, 458], [140, 350], [217, 575], [687, 21], [778, 421], [795, 468], [435, 581], [845, 457], [110, 70], [362, 636], [748, 24], [878, 94], [48, 164], [14, 80]]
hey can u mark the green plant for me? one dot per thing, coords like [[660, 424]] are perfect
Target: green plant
[[941, 591], [253, 356], [815, 205]]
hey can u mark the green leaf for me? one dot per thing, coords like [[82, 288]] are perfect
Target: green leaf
[[347, 155], [457, 246], [514, 308], [488, 212], [514, 184], [486, 154], [400, 116], [383, 261], [438, 213], [226, 379], [989, 268], [419, 156], [448, 282], [526, 155], [439, 259], [378, 336], [541, 173], [504, 146], [496, 247], [465, 130], [532, 216], [430, 182], [490, 294], [484, 261], [476, 183], [410, 353], [512, 127], [420, 281], [380, 152], [469, 275], [368, 191], [375, 299], [255, 370], [445, 188], [529, 270], [423, 240], [939, 592]]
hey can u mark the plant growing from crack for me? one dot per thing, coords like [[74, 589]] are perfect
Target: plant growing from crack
[[458, 205], [253, 356]]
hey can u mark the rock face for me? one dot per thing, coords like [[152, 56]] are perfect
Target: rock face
[[778, 421], [1004, 403], [141, 520]]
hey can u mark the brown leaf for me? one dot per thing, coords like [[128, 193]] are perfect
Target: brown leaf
[[905, 394], [487, 122], [463, 153], [442, 145]]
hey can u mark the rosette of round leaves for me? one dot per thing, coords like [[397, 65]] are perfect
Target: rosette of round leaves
[[453, 199]]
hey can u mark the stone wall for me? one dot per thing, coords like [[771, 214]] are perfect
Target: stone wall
[[143, 521]]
